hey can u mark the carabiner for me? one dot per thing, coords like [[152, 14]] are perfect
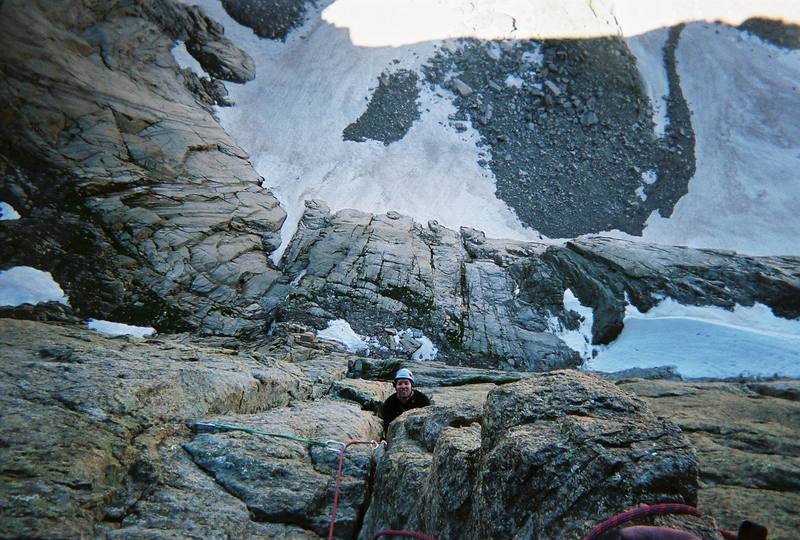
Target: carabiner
[[335, 446]]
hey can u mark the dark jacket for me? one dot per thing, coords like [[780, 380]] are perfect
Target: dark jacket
[[392, 408]]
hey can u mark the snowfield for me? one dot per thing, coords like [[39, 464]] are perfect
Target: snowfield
[[742, 91]]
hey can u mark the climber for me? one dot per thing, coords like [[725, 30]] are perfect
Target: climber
[[404, 398]]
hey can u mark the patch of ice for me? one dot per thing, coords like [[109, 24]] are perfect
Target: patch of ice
[[26, 285], [649, 51], [705, 342], [7, 212], [296, 281], [340, 332], [428, 351], [640, 192], [119, 329]]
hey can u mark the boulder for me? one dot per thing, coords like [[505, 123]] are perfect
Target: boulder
[[285, 481], [188, 502], [547, 457]]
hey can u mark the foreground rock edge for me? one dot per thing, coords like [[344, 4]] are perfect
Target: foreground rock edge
[[137, 471]]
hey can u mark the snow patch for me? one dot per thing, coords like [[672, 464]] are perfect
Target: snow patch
[[339, 331], [649, 51], [186, 60], [296, 281], [704, 342], [649, 177], [513, 81], [26, 285], [580, 339], [7, 212], [745, 193], [428, 351], [119, 329]]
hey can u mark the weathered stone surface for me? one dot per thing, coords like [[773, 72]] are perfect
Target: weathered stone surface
[[85, 417], [98, 109], [430, 374], [493, 303], [747, 447], [547, 457], [285, 481], [187, 502], [580, 444], [368, 394], [382, 271]]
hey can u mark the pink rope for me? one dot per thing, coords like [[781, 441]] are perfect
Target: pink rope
[[642, 511]]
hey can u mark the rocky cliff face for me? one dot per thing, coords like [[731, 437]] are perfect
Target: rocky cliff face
[[97, 442], [493, 303], [105, 142], [146, 212]]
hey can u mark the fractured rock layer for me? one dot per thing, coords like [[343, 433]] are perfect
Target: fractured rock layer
[[492, 303]]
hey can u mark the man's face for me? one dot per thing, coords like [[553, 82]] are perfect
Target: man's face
[[403, 388]]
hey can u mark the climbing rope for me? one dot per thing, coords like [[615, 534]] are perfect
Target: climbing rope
[[211, 427], [342, 451], [640, 512]]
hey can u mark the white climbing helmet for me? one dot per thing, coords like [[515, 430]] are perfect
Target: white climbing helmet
[[404, 373]]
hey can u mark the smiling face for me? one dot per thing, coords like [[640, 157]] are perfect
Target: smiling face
[[403, 389]]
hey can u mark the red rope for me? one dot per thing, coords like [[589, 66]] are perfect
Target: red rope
[[640, 512], [408, 534], [336, 494], [338, 482]]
